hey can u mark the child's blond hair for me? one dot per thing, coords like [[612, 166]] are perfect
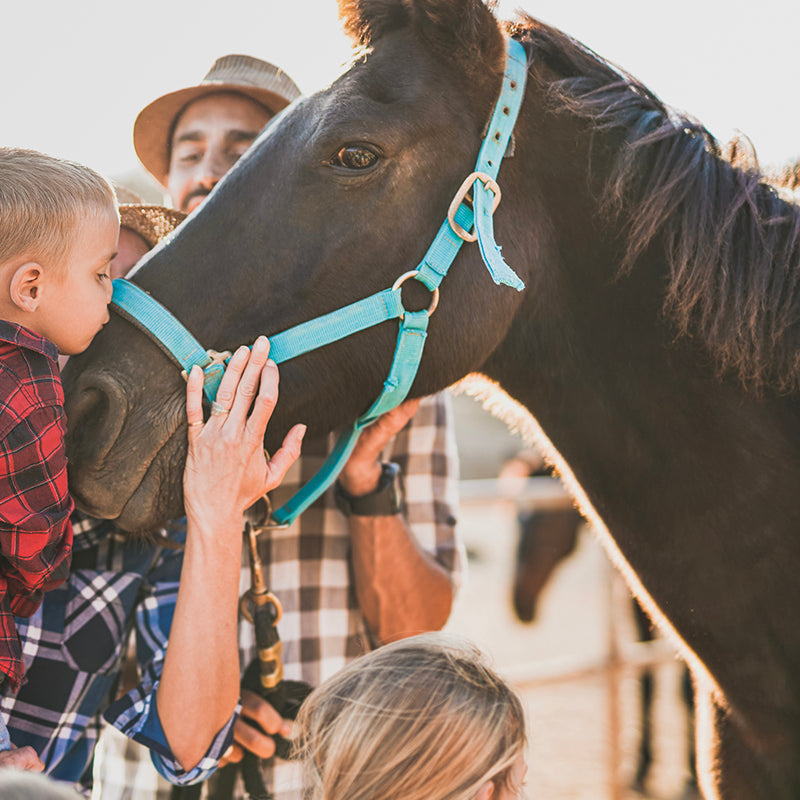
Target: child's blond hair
[[422, 718], [42, 199]]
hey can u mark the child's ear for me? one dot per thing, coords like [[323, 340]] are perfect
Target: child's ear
[[26, 286], [486, 792]]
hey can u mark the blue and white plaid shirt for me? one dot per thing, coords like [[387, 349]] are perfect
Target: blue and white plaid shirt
[[73, 649]]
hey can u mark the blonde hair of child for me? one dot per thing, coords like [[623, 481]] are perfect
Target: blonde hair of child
[[42, 200], [424, 718]]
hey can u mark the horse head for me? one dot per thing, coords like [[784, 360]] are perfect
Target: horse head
[[338, 197]]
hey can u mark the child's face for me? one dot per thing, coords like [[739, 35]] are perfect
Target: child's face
[[74, 303]]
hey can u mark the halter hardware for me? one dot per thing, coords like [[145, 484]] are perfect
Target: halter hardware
[[216, 358], [414, 273], [461, 195], [150, 316]]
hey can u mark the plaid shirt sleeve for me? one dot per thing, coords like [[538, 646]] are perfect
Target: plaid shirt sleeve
[[135, 714], [35, 532]]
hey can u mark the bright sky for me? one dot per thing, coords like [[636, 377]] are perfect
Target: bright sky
[[73, 75]]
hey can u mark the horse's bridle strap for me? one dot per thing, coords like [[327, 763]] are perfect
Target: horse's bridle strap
[[148, 314]]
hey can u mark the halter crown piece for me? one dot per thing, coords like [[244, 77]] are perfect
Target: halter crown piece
[[150, 316]]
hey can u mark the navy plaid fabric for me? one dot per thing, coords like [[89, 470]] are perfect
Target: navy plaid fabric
[[73, 649], [35, 535]]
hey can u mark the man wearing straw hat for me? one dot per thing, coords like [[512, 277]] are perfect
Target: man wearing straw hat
[[362, 566], [188, 139]]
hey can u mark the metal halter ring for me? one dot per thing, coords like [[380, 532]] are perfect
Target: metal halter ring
[[490, 183], [413, 274]]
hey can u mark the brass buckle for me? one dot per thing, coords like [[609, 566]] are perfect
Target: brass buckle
[[413, 274], [216, 356], [489, 183]]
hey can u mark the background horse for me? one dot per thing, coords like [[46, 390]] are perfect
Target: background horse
[[656, 342]]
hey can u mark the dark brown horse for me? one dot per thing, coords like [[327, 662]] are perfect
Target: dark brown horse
[[656, 342]]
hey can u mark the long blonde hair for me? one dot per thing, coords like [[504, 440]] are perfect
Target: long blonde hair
[[424, 718]]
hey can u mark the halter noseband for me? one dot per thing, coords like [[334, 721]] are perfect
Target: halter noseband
[[151, 317]]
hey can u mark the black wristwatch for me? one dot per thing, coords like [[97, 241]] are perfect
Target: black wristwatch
[[385, 501]]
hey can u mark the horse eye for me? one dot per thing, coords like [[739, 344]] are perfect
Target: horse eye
[[355, 157]]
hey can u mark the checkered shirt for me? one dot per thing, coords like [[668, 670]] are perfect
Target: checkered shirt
[[35, 534], [73, 648], [308, 567]]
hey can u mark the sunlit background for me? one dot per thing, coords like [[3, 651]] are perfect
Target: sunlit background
[[74, 75]]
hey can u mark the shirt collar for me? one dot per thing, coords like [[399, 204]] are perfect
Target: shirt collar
[[25, 337]]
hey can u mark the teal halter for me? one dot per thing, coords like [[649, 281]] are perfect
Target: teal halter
[[150, 316]]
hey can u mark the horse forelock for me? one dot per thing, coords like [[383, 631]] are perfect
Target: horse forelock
[[458, 30], [731, 241]]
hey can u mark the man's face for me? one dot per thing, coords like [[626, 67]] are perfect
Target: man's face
[[210, 136]]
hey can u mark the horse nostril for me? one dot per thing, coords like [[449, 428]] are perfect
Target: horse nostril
[[95, 409]]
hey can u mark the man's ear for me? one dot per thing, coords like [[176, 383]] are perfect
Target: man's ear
[[486, 792], [26, 286]]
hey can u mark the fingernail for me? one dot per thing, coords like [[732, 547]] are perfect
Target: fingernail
[[286, 729], [195, 368], [303, 429]]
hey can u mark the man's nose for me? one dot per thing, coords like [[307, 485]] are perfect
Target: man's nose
[[212, 168]]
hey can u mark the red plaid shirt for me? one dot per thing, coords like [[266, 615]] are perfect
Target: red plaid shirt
[[35, 533]]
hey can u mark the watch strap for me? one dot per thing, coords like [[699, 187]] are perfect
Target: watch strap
[[384, 501]]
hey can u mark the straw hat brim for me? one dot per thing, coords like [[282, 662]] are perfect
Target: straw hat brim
[[153, 127], [152, 223]]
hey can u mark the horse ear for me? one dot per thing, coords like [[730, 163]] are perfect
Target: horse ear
[[365, 21], [451, 24], [455, 25]]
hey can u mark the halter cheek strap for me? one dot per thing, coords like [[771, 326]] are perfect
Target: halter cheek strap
[[151, 317]]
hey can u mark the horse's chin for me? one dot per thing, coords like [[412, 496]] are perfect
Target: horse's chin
[[148, 508], [149, 504]]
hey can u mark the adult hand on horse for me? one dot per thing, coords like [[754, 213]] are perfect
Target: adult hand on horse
[[226, 471], [362, 471], [226, 467]]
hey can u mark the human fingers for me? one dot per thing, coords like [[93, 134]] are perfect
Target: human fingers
[[288, 453], [375, 438], [392, 422], [21, 758], [233, 755], [250, 381], [260, 711], [265, 403], [226, 392], [194, 401]]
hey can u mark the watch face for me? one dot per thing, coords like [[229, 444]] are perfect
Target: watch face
[[383, 502]]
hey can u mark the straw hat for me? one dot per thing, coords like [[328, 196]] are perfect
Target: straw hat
[[151, 222], [259, 80]]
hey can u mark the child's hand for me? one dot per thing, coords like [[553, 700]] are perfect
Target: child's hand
[[21, 758]]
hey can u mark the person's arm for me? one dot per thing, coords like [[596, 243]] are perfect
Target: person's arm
[[401, 586], [226, 472], [431, 552]]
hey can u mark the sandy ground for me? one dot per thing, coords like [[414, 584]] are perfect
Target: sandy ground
[[572, 746]]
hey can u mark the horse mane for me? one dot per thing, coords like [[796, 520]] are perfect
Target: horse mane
[[732, 242]]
